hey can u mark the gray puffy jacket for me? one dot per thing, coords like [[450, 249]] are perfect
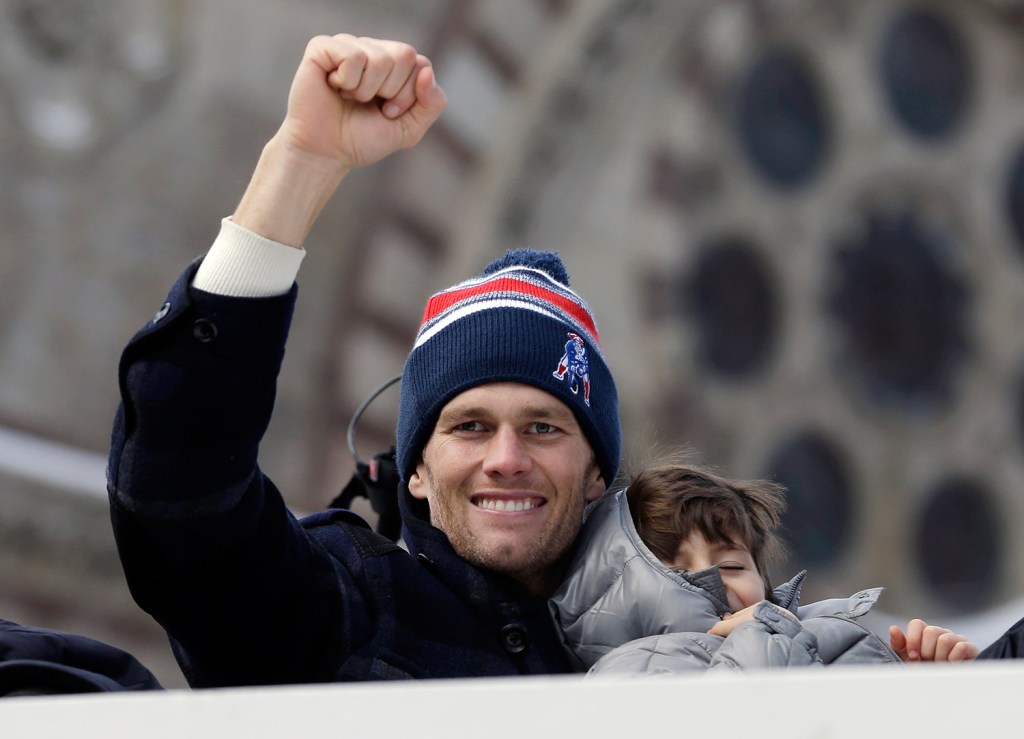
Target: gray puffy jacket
[[622, 611]]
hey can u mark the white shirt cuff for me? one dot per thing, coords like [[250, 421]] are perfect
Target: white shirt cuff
[[243, 264]]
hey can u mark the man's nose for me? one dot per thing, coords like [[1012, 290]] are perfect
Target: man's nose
[[506, 454]]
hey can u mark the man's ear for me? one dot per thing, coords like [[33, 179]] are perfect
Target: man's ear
[[418, 487], [595, 487]]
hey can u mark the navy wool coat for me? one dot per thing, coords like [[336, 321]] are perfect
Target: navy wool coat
[[247, 593]]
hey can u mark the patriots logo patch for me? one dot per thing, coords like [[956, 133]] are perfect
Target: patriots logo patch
[[574, 368]]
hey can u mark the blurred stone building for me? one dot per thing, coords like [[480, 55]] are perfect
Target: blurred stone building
[[800, 223]]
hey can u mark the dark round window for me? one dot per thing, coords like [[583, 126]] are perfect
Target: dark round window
[[926, 72], [781, 123], [958, 544], [817, 522], [902, 308], [733, 302]]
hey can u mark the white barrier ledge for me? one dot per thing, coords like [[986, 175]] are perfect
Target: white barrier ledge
[[976, 699]]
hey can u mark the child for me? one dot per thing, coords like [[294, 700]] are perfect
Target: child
[[671, 575]]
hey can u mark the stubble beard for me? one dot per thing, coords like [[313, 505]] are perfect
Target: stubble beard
[[531, 563]]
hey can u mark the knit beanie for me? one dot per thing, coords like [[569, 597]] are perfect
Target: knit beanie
[[517, 322]]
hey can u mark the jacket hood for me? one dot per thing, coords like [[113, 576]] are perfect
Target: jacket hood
[[616, 590]]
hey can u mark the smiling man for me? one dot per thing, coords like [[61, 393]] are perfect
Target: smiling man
[[508, 426], [516, 450], [506, 473], [505, 449]]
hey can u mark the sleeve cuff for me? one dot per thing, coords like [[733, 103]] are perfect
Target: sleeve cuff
[[243, 264], [777, 619]]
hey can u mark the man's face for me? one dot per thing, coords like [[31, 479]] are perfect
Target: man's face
[[507, 472], [743, 583]]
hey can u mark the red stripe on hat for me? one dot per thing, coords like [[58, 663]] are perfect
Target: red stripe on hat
[[443, 301]]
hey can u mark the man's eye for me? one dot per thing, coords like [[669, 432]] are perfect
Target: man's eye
[[543, 428], [731, 566], [469, 426]]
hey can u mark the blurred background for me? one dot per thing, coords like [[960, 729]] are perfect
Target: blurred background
[[800, 224]]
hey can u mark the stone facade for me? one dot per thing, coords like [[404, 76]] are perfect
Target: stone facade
[[676, 154]]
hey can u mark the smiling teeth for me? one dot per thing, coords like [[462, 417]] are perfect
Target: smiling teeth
[[507, 505]]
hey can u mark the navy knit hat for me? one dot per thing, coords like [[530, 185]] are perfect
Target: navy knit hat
[[517, 322]]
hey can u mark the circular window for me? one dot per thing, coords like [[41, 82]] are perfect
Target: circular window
[[926, 73], [782, 126], [817, 521], [902, 309], [734, 305], [958, 544]]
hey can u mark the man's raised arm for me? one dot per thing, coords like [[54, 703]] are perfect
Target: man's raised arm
[[207, 544]]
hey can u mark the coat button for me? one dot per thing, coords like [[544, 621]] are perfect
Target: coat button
[[513, 638], [164, 310], [204, 330]]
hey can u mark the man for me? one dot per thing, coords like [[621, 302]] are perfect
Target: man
[[498, 448]]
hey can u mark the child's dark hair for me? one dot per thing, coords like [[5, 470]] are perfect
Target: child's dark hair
[[668, 502]]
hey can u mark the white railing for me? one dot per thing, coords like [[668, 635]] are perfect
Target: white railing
[[967, 700]]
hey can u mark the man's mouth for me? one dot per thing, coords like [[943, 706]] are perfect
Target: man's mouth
[[507, 504]]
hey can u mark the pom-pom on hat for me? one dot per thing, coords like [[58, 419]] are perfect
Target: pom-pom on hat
[[517, 322]]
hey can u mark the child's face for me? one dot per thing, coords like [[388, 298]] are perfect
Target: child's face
[[743, 582]]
